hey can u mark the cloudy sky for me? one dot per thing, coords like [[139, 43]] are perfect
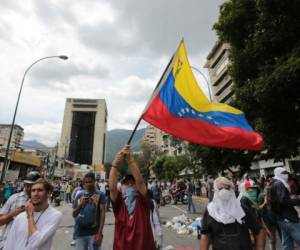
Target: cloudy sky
[[117, 50]]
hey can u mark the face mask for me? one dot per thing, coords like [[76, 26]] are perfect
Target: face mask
[[225, 194], [285, 177], [252, 192], [130, 199]]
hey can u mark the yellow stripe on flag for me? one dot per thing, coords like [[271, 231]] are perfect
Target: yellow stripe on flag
[[187, 86]]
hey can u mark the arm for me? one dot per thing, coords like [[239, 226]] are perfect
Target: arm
[[99, 235], [6, 214], [113, 180], [260, 240], [39, 237], [254, 224], [204, 242], [76, 211], [283, 196], [134, 169], [76, 208], [5, 219]]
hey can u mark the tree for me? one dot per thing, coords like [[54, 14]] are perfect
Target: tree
[[264, 37], [215, 160], [170, 168], [147, 158], [158, 168]]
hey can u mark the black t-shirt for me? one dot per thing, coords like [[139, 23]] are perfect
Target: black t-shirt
[[233, 236]]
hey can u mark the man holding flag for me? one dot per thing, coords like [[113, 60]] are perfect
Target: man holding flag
[[131, 206]]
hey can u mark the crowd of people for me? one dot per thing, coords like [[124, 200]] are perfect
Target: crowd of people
[[257, 211], [241, 214]]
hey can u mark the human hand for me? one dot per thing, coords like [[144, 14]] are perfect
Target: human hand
[[95, 199], [127, 152], [98, 239], [19, 210], [83, 201], [118, 159], [29, 208]]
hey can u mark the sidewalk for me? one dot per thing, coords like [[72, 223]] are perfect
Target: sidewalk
[[201, 198]]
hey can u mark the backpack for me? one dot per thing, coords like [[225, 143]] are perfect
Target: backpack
[[88, 216]]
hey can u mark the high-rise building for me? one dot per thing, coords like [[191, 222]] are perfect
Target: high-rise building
[[217, 64], [83, 135], [16, 138], [152, 136], [162, 141]]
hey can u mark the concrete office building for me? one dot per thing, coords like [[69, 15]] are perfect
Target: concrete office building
[[217, 65], [16, 139], [83, 135]]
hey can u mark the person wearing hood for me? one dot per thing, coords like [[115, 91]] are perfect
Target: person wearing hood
[[131, 206], [282, 205], [250, 204], [225, 224]]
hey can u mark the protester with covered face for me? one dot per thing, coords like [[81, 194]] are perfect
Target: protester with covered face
[[250, 204], [131, 206], [15, 205], [225, 224], [282, 205]]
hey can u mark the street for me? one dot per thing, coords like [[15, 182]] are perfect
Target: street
[[63, 235]]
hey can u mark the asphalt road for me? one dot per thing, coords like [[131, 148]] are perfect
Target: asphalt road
[[63, 235]]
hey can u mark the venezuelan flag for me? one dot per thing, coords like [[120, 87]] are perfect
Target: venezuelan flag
[[179, 107]]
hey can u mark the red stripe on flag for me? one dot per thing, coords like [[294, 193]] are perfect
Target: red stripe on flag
[[200, 132]]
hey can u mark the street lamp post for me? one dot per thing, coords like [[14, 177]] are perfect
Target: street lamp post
[[201, 73], [5, 163]]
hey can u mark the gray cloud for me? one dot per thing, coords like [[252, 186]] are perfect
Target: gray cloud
[[118, 50], [63, 72], [154, 26]]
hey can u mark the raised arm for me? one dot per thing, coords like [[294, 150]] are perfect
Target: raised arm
[[135, 171], [113, 176]]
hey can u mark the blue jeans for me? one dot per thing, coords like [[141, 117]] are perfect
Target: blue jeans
[[86, 243], [290, 233], [191, 206]]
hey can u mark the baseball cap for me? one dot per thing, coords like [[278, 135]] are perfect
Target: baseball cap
[[31, 177], [126, 178]]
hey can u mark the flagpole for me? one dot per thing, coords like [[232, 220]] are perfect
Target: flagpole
[[157, 85], [134, 130]]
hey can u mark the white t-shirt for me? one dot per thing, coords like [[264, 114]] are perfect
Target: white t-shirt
[[102, 187], [47, 224]]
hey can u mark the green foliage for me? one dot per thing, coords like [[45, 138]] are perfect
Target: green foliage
[[215, 160], [264, 36], [146, 159], [169, 167]]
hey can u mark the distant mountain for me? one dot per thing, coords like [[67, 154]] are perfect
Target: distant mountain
[[118, 137], [32, 144]]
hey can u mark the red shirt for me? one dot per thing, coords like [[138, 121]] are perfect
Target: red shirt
[[133, 233]]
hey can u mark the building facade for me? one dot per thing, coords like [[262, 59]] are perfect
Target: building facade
[[83, 135], [217, 65], [162, 141], [16, 139], [152, 136], [221, 83]]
